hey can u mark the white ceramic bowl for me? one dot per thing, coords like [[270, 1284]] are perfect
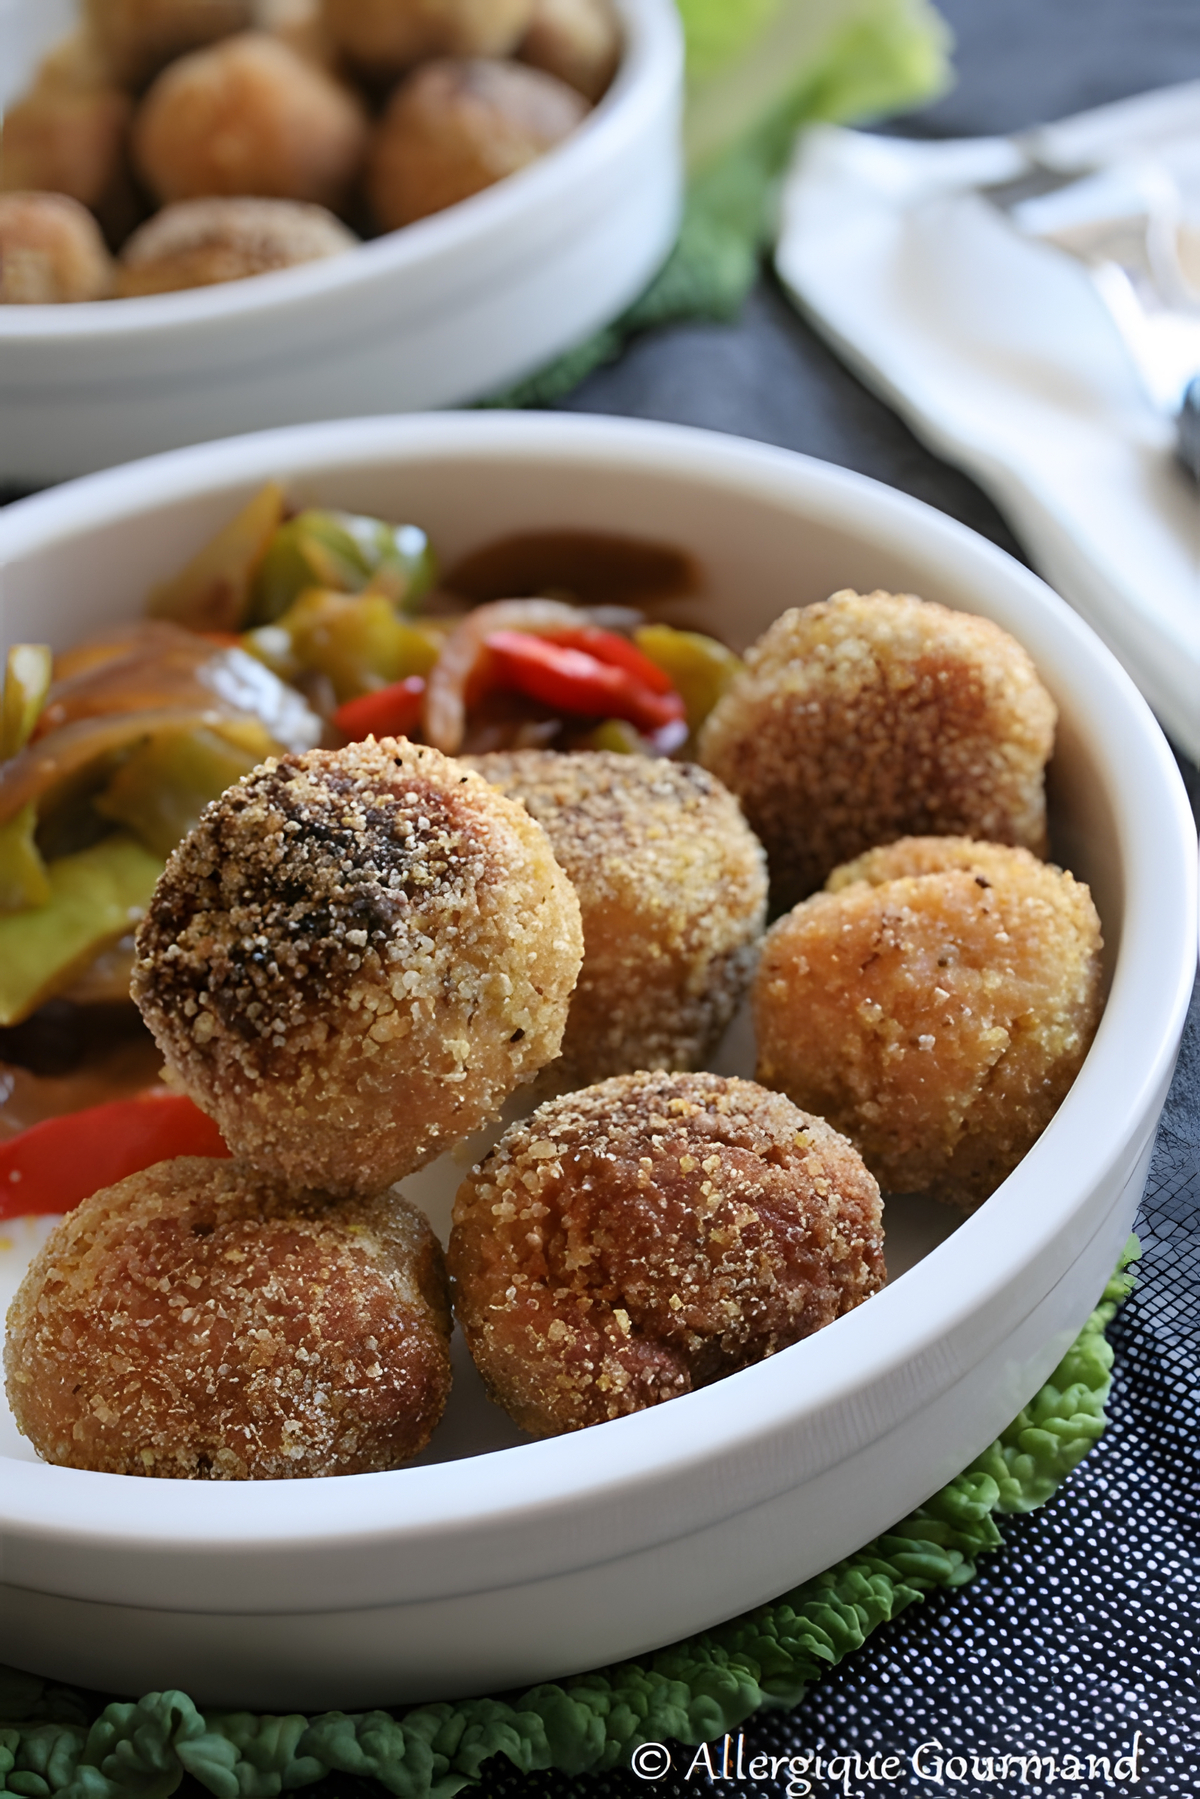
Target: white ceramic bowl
[[538, 1559], [448, 310]]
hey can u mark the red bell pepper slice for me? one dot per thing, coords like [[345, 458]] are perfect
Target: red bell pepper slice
[[391, 712], [53, 1165], [572, 680], [607, 646]]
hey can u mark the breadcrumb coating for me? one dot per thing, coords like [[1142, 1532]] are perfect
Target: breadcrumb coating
[[136, 38], [200, 1322], [653, 1234], [354, 958], [672, 891], [382, 37], [935, 1003], [869, 717], [455, 126]]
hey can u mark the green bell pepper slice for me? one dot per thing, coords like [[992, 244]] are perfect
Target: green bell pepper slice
[[159, 792], [346, 553], [96, 896]]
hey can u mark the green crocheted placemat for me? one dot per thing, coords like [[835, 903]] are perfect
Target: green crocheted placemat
[[55, 1743]]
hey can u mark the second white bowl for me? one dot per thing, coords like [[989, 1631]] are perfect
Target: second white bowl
[[448, 310]]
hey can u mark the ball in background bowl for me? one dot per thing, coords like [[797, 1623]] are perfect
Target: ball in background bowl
[[249, 116], [577, 40], [460, 307], [454, 128], [51, 250], [136, 38], [195, 243]]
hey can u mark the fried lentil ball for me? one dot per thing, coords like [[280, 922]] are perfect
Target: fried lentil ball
[[66, 139], [249, 116], [454, 128], [354, 958], [384, 37], [139, 37], [50, 250], [577, 40], [870, 717], [196, 243], [672, 892], [935, 1004], [650, 1235], [201, 1322]]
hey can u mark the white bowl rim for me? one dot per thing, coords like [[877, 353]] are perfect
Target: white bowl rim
[[653, 56], [989, 1251]]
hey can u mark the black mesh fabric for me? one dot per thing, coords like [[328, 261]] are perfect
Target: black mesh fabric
[[1082, 1630]]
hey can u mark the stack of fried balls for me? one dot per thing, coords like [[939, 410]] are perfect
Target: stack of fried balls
[[170, 144], [350, 963], [358, 955]]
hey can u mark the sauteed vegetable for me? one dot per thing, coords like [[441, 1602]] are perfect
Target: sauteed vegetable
[[288, 631]]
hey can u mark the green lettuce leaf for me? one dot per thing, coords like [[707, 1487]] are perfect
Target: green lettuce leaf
[[815, 59]]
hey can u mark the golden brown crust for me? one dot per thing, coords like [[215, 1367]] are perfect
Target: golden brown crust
[[453, 128], [355, 957], [650, 1235], [51, 251], [672, 892], [249, 116], [199, 1322], [935, 1004], [197, 243], [870, 717]]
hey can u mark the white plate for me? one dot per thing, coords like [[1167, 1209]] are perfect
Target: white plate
[[532, 1561], [450, 309]]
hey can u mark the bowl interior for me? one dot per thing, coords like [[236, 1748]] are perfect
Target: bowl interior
[[770, 531], [757, 556]]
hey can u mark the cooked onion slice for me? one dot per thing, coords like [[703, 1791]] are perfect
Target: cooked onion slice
[[156, 666]]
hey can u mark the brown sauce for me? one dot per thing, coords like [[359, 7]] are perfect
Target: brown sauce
[[591, 567], [67, 1056]]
